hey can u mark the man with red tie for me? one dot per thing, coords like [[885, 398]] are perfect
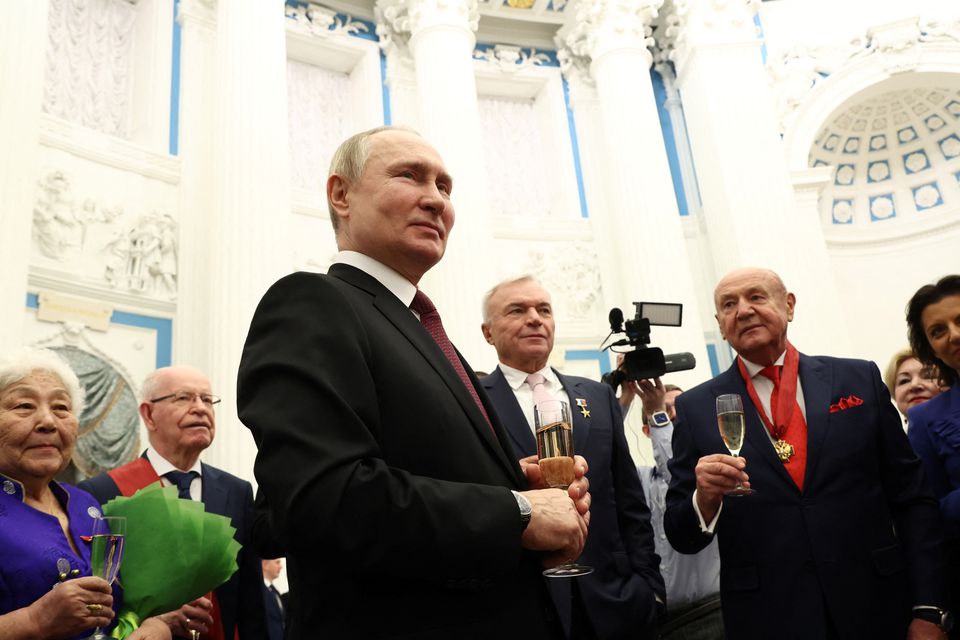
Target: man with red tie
[[841, 539], [387, 472]]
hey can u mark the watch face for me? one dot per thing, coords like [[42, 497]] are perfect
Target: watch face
[[661, 419]]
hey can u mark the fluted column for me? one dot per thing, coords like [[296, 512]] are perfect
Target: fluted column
[[607, 40], [23, 46], [748, 198], [439, 35], [237, 143]]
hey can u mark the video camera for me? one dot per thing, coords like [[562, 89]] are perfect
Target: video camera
[[645, 361]]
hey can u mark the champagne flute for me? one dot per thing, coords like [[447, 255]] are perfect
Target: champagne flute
[[106, 552], [732, 426], [555, 453]]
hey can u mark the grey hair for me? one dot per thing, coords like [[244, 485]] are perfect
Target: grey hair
[[150, 384], [350, 158], [487, 311], [20, 363]]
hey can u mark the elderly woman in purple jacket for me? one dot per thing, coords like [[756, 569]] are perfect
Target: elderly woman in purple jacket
[[46, 586]]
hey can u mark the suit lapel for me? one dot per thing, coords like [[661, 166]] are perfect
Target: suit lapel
[[213, 493], [756, 441], [579, 421], [407, 324], [817, 382], [510, 412]]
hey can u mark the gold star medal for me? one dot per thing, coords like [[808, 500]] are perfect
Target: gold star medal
[[582, 403]]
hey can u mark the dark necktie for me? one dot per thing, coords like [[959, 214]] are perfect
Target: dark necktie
[[182, 479], [276, 596], [430, 319]]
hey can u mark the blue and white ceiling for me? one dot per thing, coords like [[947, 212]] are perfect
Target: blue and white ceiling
[[896, 156]]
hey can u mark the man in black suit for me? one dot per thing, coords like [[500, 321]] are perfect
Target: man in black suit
[[273, 602], [842, 538], [394, 486], [622, 596], [177, 408]]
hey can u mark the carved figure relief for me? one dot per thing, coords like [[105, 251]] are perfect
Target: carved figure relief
[[571, 274], [60, 222], [143, 258]]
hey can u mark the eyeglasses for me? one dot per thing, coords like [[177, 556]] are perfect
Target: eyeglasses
[[186, 398]]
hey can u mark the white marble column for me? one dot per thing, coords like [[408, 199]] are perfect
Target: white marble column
[[439, 35], [23, 46], [747, 192], [640, 226], [238, 111]]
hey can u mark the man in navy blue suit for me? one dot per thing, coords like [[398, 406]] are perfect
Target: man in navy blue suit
[[621, 598], [842, 538], [177, 408]]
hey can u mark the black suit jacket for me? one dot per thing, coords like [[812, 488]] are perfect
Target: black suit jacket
[[241, 603], [859, 546], [390, 489], [619, 596]]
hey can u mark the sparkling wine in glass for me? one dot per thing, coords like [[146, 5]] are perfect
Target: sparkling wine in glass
[[106, 552], [555, 453], [732, 426]]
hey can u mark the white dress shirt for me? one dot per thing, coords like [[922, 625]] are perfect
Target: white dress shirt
[[161, 465]]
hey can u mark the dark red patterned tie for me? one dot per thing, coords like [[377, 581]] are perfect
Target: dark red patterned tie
[[430, 319]]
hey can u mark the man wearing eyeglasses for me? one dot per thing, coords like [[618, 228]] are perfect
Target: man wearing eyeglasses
[[177, 407]]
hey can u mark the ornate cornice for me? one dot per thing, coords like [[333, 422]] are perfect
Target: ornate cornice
[[691, 23], [200, 12], [315, 20], [510, 59], [599, 27], [895, 46]]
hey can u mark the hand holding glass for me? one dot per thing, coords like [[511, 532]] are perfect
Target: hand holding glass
[[555, 453], [732, 426], [106, 552]]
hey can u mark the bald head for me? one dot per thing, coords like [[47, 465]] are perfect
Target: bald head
[[753, 310]]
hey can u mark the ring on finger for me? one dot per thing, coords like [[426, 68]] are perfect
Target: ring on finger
[[94, 607]]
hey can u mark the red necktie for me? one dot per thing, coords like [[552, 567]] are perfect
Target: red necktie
[[792, 429], [430, 319]]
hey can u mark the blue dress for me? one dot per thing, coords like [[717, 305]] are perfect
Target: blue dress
[[33, 549]]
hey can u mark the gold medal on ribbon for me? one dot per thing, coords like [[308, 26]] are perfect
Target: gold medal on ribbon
[[784, 450]]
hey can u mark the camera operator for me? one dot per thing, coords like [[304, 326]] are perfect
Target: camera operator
[[693, 581]]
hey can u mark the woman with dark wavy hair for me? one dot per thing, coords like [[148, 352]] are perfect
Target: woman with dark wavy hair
[[933, 319]]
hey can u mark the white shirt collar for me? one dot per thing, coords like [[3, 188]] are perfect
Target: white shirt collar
[[393, 281], [161, 465], [754, 369], [516, 378]]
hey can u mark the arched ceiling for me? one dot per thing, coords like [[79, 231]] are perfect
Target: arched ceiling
[[896, 155]]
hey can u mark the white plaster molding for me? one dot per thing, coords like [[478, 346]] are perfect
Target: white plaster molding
[[319, 21], [596, 28], [143, 257], [202, 13], [895, 235], [798, 74], [65, 282], [571, 229], [510, 59], [570, 272], [108, 150], [400, 20], [704, 23]]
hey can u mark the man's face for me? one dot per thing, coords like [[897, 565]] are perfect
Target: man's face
[[177, 427], [271, 568], [753, 311], [399, 210], [520, 325]]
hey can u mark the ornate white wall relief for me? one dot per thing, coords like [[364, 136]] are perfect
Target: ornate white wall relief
[[143, 257], [89, 60], [515, 158], [318, 103], [320, 21], [87, 239], [510, 59], [569, 271]]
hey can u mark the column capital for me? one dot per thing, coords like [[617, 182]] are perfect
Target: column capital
[[400, 20], [596, 28], [691, 23]]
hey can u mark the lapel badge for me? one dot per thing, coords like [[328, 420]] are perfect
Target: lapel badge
[[582, 403]]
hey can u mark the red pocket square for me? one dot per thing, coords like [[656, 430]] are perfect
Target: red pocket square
[[846, 403]]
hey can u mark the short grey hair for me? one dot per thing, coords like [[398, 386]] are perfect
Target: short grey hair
[[20, 363], [487, 311], [150, 384], [350, 158]]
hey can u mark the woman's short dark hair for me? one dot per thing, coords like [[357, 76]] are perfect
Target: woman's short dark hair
[[925, 296]]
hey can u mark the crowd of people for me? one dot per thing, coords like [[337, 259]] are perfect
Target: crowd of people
[[406, 495]]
